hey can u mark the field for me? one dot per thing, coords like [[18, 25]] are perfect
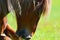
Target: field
[[49, 30]]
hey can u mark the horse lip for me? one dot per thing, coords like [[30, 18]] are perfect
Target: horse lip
[[29, 36]]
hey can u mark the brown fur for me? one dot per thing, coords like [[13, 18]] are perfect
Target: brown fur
[[27, 15]]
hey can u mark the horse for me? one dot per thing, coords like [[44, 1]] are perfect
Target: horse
[[28, 13], [3, 20]]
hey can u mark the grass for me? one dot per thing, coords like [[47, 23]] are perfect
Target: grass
[[46, 30]]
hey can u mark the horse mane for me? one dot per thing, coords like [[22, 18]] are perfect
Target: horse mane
[[46, 7]]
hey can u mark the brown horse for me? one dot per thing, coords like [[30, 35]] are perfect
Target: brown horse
[[3, 20], [28, 13]]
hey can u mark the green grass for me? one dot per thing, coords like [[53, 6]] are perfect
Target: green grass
[[12, 20], [45, 31]]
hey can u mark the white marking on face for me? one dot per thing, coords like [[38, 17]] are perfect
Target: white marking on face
[[19, 8], [34, 3], [38, 3]]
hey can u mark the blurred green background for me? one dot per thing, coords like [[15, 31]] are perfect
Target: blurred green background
[[46, 30]]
